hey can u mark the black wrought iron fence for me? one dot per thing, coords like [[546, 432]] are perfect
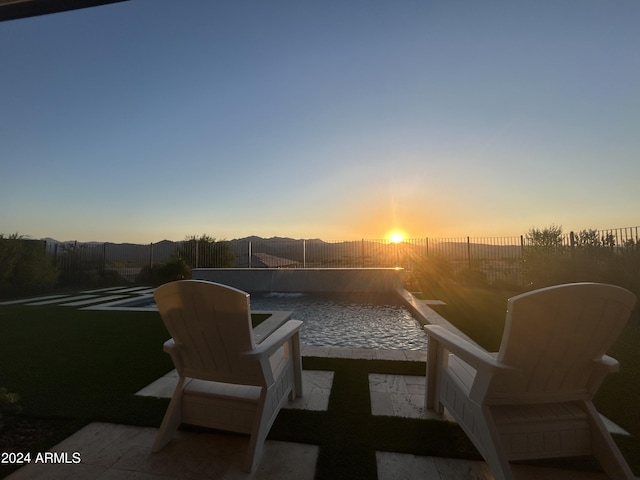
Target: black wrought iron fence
[[495, 259]]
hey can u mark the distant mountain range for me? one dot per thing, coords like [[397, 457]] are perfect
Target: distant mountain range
[[53, 241], [308, 251]]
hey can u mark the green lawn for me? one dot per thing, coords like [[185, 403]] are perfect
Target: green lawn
[[479, 312], [80, 364], [83, 364]]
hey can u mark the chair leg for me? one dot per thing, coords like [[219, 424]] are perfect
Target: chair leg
[[296, 359], [172, 418], [604, 448], [490, 444], [254, 454], [499, 466], [259, 433], [435, 359], [292, 384]]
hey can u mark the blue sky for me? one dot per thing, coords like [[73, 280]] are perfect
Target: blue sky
[[146, 120]]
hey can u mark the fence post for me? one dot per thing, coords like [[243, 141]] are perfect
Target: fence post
[[521, 263], [76, 259], [104, 258], [304, 253], [249, 259], [469, 253], [150, 260]]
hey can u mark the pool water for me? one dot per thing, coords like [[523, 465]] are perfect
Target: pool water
[[377, 322]]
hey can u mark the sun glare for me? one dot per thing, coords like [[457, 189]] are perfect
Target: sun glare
[[396, 237]]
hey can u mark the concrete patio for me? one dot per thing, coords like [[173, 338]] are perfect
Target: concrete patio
[[108, 451]]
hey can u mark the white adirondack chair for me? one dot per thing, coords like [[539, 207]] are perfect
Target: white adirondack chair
[[226, 381], [533, 399]]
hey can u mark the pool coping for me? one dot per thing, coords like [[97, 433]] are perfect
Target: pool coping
[[427, 316]]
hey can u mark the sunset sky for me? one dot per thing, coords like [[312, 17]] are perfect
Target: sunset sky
[[145, 120]]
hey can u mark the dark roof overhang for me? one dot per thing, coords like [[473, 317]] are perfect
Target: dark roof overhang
[[15, 9]]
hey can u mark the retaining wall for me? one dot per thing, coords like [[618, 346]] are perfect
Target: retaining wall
[[304, 280]]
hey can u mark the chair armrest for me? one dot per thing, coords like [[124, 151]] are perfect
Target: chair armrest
[[603, 366], [173, 349], [608, 364], [288, 332], [468, 352], [487, 367], [169, 346], [274, 341]]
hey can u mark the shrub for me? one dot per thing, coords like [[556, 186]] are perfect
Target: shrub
[[545, 261], [110, 278], [25, 267], [81, 265], [206, 252], [472, 277], [174, 269], [591, 257], [430, 273], [9, 405]]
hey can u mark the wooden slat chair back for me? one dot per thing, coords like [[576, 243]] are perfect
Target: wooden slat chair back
[[533, 398], [226, 381], [215, 322], [553, 335]]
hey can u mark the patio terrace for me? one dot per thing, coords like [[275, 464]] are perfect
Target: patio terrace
[[393, 389], [110, 451]]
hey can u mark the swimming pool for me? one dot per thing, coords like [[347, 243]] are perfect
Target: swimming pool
[[348, 320], [375, 321]]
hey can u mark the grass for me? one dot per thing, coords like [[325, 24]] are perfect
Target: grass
[[83, 364], [479, 312], [79, 364], [73, 367]]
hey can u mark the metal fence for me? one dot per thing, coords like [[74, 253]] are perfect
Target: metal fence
[[496, 258]]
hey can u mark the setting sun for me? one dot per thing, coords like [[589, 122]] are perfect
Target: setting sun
[[396, 237]]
